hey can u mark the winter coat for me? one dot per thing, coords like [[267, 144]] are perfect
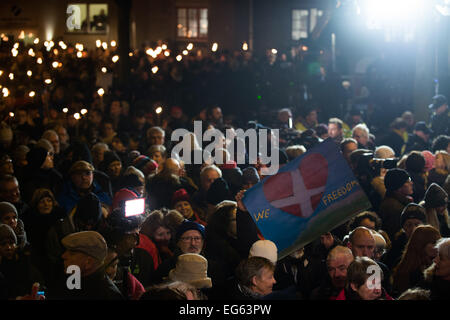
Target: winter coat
[[437, 177], [390, 211], [69, 197], [50, 179], [416, 143]]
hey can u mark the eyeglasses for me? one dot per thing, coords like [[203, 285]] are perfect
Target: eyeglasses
[[189, 239]]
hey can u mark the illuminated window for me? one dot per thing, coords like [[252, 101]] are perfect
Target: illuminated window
[[304, 21], [192, 23], [93, 18]]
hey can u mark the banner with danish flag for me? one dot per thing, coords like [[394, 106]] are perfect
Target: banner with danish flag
[[309, 196]]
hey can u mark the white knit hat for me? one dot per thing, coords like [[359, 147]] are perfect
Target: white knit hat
[[266, 249]]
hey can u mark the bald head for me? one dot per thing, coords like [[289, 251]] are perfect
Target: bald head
[[362, 242], [172, 166]]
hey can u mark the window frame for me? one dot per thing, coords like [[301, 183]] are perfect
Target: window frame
[[88, 26], [309, 21], [199, 37]]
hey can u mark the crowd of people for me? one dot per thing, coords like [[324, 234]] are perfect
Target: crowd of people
[[66, 183]]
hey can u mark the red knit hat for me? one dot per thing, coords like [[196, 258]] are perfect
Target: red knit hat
[[121, 196], [145, 164], [180, 195]]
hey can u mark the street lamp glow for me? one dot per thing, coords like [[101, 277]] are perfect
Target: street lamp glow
[[5, 92], [179, 57], [79, 54], [164, 47], [83, 111], [65, 110], [14, 52], [48, 81], [185, 52], [29, 73], [77, 116], [101, 92], [190, 46], [274, 51], [104, 70], [31, 52], [98, 43], [36, 41], [1, 72], [155, 69], [113, 43], [105, 45], [166, 53], [39, 60], [245, 46], [158, 110], [32, 94], [55, 52], [158, 50], [11, 114], [16, 45], [55, 64], [115, 58], [130, 54], [215, 46], [305, 48], [11, 76]]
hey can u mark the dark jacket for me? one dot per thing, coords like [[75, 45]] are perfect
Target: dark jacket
[[20, 274], [439, 288], [440, 124], [416, 143], [393, 256], [419, 186], [436, 177], [390, 211], [50, 179], [96, 286]]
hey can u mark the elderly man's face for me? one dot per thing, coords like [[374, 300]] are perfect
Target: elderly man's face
[[337, 270], [54, 140], [10, 191], [155, 137], [191, 242], [209, 177], [363, 245], [360, 136]]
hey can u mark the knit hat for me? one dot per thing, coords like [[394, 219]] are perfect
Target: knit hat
[[191, 268], [435, 196], [189, 225], [218, 191], [413, 211], [415, 162], [81, 165], [131, 181], [250, 176], [89, 242], [264, 248], [395, 179], [108, 158], [429, 160], [36, 157], [89, 209], [6, 207], [145, 164], [180, 195], [6, 232], [121, 196]]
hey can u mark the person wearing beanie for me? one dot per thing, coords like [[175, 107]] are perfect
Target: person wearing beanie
[[399, 189], [412, 216], [81, 181], [15, 265], [112, 166], [189, 238], [436, 209], [9, 216], [232, 174], [181, 201], [250, 177], [415, 166], [40, 173], [429, 160], [266, 249], [145, 164]]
